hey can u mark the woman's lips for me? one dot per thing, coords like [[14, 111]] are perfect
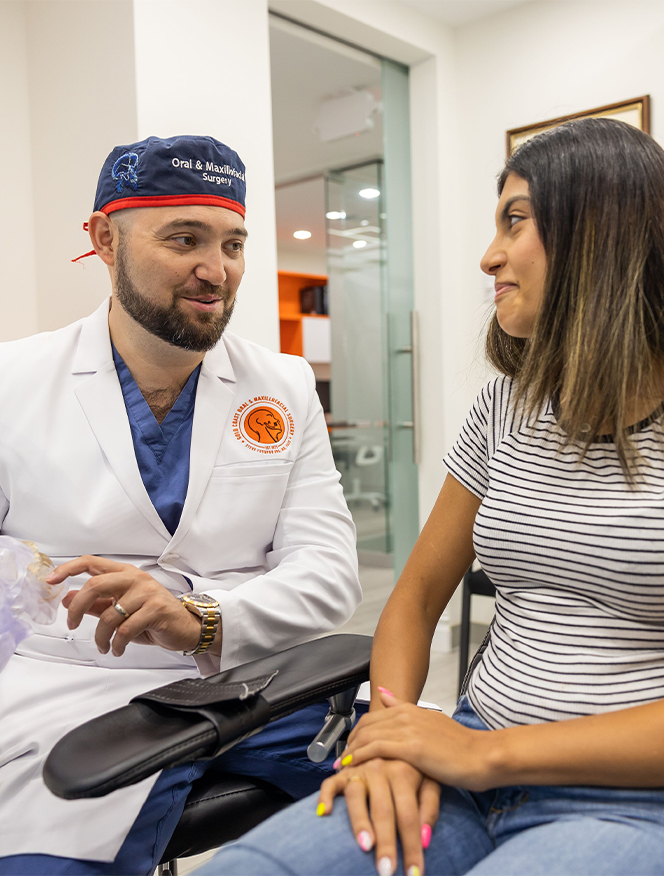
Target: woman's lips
[[502, 288]]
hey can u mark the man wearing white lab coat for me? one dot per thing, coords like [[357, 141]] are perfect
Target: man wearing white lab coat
[[154, 456]]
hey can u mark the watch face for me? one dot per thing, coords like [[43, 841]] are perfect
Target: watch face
[[203, 598]]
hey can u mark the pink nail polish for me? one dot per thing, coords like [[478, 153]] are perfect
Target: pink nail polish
[[364, 840], [336, 764], [385, 691], [426, 835]]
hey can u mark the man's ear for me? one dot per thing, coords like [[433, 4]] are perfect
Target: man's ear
[[104, 235]]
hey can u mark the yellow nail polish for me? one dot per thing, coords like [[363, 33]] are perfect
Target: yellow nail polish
[[320, 809], [346, 760]]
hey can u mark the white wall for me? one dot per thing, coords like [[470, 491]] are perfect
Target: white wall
[[18, 296], [81, 103], [202, 67]]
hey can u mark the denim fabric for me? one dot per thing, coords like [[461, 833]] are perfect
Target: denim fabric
[[276, 754], [514, 831]]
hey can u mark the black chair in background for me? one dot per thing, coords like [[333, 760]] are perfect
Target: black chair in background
[[474, 583]]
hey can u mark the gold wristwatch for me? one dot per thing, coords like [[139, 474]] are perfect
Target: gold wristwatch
[[207, 609]]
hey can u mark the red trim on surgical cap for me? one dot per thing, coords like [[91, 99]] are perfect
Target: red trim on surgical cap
[[173, 201]]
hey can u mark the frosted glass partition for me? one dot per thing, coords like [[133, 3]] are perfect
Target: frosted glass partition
[[359, 430]]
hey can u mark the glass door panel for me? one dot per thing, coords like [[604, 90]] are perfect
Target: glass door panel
[[359, 394]]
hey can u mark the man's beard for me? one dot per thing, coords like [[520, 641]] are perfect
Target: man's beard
[[199, 333]]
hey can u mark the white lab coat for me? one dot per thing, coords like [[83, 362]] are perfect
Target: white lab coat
[[267, 534]]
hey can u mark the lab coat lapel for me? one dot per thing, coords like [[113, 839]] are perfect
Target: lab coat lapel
[[100, 395], [215, 395]]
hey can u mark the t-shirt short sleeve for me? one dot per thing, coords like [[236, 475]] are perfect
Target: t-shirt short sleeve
[[468, 460]]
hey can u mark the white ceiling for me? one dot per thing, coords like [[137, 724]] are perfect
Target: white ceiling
[[307, 69], [458, 12]]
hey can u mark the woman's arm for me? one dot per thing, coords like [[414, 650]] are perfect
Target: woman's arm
[[620, 749], [440, 558]]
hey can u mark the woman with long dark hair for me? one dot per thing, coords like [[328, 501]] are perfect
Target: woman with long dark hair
[[554, 760]]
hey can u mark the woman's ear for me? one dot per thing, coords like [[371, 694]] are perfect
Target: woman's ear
[[104, 236]]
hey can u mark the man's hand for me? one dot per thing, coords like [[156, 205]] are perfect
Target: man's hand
[[155, 616]]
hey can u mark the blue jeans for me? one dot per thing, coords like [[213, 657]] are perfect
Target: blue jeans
[[515, 831], [277, 754]]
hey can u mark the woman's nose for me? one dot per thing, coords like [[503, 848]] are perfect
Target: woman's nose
[[494, 258]]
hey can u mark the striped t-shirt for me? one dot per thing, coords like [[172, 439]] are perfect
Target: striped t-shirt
[[577, 559]]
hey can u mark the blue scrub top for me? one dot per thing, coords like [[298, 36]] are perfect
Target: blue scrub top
[[162, 451]]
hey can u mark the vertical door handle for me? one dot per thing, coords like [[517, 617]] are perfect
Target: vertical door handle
[[414, 349]]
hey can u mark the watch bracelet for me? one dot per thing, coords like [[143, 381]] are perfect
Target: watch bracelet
[[209, 626]]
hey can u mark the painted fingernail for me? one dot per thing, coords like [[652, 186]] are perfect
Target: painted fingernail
[[336, 764], [385, 691], [320, 809], [384, 867], [346, 760], [413, 870], [426, 835], [364, 840]]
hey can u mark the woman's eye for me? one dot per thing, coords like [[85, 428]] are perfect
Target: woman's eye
[[513, 219]]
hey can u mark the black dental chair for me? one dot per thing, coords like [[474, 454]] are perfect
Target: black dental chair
[[198, 719]]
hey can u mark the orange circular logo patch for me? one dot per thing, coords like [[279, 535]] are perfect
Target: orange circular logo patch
[[264, 424]]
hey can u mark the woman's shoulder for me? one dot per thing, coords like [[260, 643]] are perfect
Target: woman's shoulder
[[495, 396]]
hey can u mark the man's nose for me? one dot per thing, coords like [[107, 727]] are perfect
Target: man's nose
[[211, 267]]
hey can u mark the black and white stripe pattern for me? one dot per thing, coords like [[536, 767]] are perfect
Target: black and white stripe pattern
[[577, 559]]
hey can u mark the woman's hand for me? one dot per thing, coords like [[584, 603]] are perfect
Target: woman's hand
[[431, 742], [386, 797]]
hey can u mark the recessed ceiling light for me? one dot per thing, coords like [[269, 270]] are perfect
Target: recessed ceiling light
[[335, 214], [364, 223], [359, 244], [302, 235], [369, 193]]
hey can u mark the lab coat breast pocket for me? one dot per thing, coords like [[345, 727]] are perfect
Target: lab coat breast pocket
[[238, 515]]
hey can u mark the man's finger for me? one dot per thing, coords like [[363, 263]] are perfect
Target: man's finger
[[110, 585], [110, 619], [87, 563]]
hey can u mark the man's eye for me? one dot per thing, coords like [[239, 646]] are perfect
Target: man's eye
[[184, 239], [236, 246]]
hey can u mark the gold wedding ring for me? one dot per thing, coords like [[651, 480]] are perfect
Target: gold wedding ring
[[124, 614], [356, 778]]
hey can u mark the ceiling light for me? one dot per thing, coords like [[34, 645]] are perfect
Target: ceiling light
[[369, 193], [359, 244], [364, 223], [302, 235], [335, 214]]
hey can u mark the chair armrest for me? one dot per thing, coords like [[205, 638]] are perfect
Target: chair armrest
[[128, 744]]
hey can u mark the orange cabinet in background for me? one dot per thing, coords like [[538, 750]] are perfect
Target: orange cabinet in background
[[290, 315]]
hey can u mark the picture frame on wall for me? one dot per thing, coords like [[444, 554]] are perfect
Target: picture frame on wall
[[635, 112]]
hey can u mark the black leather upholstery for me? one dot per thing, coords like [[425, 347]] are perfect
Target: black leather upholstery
[[128, 744], [220, 808]]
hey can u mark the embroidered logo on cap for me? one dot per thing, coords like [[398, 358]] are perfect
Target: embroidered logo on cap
[[264, 424], [124, 171]]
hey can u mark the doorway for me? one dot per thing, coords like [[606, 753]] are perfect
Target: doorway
[[344, 248]]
